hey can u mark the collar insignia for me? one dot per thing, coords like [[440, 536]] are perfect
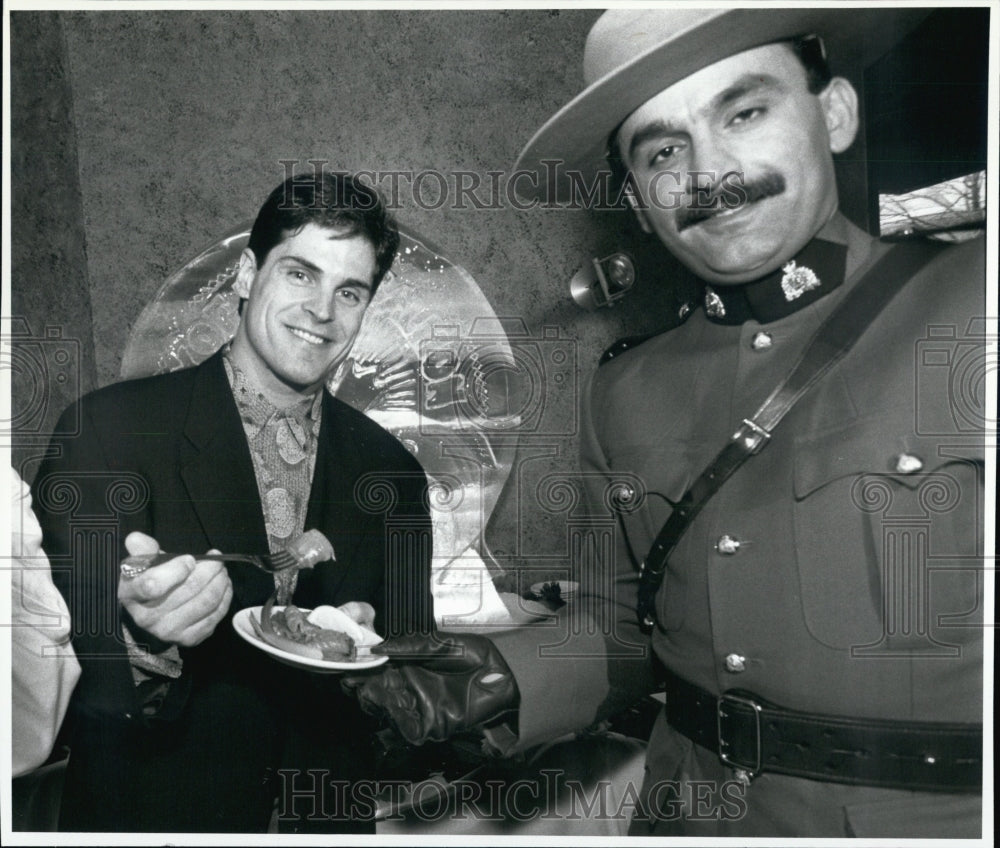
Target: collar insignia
[[714, 307], [796, 280]]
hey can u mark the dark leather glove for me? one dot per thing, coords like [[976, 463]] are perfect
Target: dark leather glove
[[438, 685]]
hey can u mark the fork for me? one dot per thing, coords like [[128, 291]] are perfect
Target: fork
[[304, 551]]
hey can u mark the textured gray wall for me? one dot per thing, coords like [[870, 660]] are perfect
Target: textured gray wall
[[181, 120], [53, 360]]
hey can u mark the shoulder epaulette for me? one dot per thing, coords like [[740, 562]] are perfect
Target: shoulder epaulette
[[629, 342], [622, 345]]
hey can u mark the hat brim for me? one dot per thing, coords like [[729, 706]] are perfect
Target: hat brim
[[575, 139]]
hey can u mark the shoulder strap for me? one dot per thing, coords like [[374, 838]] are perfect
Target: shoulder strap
[[832, 341]]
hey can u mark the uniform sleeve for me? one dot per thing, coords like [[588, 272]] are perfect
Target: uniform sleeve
[[43, 665], [594, 662]]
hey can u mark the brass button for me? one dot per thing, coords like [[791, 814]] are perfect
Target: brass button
[[621, 496], [762, 341], [907, 463], [727, 545], [736, 663]]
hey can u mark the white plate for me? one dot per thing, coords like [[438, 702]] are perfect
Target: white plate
[[242, 625], [567, 588]]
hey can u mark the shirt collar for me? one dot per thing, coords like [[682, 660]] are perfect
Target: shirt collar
[[256, 410]]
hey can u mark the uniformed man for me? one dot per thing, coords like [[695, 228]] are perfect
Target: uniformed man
[[818, 623]]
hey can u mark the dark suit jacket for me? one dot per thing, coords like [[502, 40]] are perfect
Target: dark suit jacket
[[168, 456]]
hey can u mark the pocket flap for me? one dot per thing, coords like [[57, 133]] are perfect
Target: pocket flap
[[871, 445]]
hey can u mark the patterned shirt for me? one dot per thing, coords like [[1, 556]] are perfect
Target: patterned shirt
[[283, 446]]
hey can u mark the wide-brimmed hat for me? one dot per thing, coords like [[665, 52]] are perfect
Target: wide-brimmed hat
[[632, 55]]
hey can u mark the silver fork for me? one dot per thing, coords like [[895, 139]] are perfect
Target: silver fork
[[304, 551]]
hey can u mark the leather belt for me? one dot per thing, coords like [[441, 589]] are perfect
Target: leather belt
[[752, 735]]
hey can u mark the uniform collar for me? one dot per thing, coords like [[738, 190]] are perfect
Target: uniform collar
[[818, 269]]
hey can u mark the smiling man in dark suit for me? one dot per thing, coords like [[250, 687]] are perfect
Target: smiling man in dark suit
[[177, 725]]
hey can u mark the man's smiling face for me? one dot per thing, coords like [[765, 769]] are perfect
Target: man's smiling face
[[745, 125], [303, 310]]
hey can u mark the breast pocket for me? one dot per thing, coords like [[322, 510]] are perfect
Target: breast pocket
[[886, 529]]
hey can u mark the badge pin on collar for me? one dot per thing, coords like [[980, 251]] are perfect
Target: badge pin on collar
[[796, 280], [714, 306]]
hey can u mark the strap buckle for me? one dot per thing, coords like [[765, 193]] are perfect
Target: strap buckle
[[752, 436], [736, 714]]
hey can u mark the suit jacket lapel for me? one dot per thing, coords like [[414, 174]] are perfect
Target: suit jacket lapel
[[216, 466], [218, 473]]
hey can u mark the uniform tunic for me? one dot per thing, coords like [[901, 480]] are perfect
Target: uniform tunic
[[838, 571]]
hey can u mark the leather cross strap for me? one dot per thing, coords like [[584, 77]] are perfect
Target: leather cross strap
[[832, 341], [755, 736]]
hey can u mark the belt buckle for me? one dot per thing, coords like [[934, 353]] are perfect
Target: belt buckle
[[752, 436], [745, 771]]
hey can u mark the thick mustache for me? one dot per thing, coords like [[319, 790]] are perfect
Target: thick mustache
[[730, 197]]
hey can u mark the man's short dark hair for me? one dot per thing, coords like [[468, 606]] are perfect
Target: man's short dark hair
[[808, 49], [333, 200]]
